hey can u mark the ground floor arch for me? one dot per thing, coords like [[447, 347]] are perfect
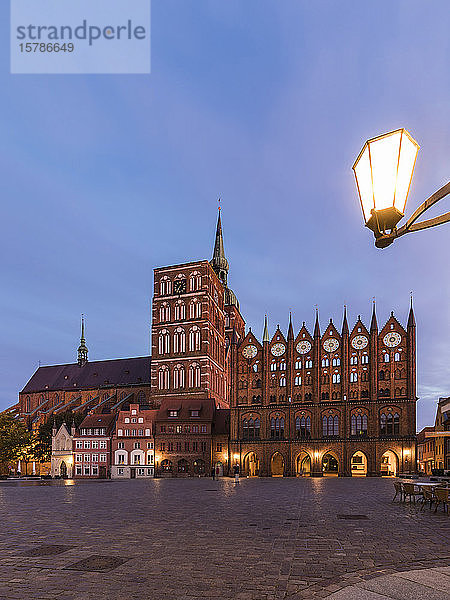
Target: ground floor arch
[[389, 464], [277, 465], [330, 464], [251, 464], [63, 469], [358, 464], [219, 469], [303, 465]]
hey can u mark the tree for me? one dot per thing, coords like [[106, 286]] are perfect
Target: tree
[[42, 448], [15, 438]]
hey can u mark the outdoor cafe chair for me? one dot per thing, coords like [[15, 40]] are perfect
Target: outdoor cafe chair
[[441, 495], [428, 496], [398, 490], [409, 489]]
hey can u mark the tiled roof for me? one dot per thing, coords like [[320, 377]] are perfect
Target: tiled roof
[[99, 373], [97, 420], [205, 408]]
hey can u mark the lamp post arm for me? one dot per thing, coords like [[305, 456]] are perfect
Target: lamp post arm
[[438, 195]]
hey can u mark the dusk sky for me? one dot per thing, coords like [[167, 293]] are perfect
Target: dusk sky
[[263, 103]]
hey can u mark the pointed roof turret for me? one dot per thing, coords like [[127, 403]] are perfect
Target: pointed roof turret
[[290, 329], [219, 262], [82, 348], [411, 317], [316, 325], [266, 337], [373, 322], [344, 322]]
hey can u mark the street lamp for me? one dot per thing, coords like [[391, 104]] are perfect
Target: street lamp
[[383, 172]]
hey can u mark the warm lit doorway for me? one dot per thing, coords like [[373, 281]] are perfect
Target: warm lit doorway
[[389, 464], [359, 464]]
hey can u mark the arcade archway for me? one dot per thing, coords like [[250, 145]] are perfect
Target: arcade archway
[[389, 464], [330, 465], [358, 466], [277, 465], [303, 465], [251, 465]]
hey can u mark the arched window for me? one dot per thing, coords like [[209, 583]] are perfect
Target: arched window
[[257, 383], [365, 359], [194, 339], [397, 356], [195, 309], [354, 360], [277, 427], [359, 424], [308, 364], [336, 362], [381, 376], [255, 366], [386, 357], [179, 340], [336, 378], [257, 428], [165, 286], [163, 378], [353, 377], [164, 312], [298, 364], [141, 397], [28, 404], [164, 342], [194, 376], [180, 311], [308, 396], [282, 381], [256, 399], [273, 366], [303, 427], [195, 281], [179, 377], [283, 365], [298, 379], [325, 362], [383, 424], [330, 426], [396, 424]]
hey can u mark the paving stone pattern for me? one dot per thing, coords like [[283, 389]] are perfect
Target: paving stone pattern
[[189, 539]]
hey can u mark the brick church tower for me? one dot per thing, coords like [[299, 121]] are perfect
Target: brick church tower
[[195, 323]]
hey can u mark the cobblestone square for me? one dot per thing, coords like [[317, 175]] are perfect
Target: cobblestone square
[[263, 539]]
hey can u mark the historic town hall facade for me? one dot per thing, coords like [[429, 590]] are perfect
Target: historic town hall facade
[[338, 401]]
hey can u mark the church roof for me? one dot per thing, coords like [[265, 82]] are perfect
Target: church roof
[[99, 373]]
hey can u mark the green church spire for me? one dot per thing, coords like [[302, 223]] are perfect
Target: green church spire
[[82, 348], [219, 262]]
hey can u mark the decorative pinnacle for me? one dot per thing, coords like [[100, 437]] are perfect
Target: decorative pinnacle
[[266, 331]]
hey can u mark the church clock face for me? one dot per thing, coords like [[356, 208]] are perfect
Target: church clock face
[[278, 349], [392, 339], [179, 287], [303, 347], [359, 342], [249, 351], [330, 345]]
